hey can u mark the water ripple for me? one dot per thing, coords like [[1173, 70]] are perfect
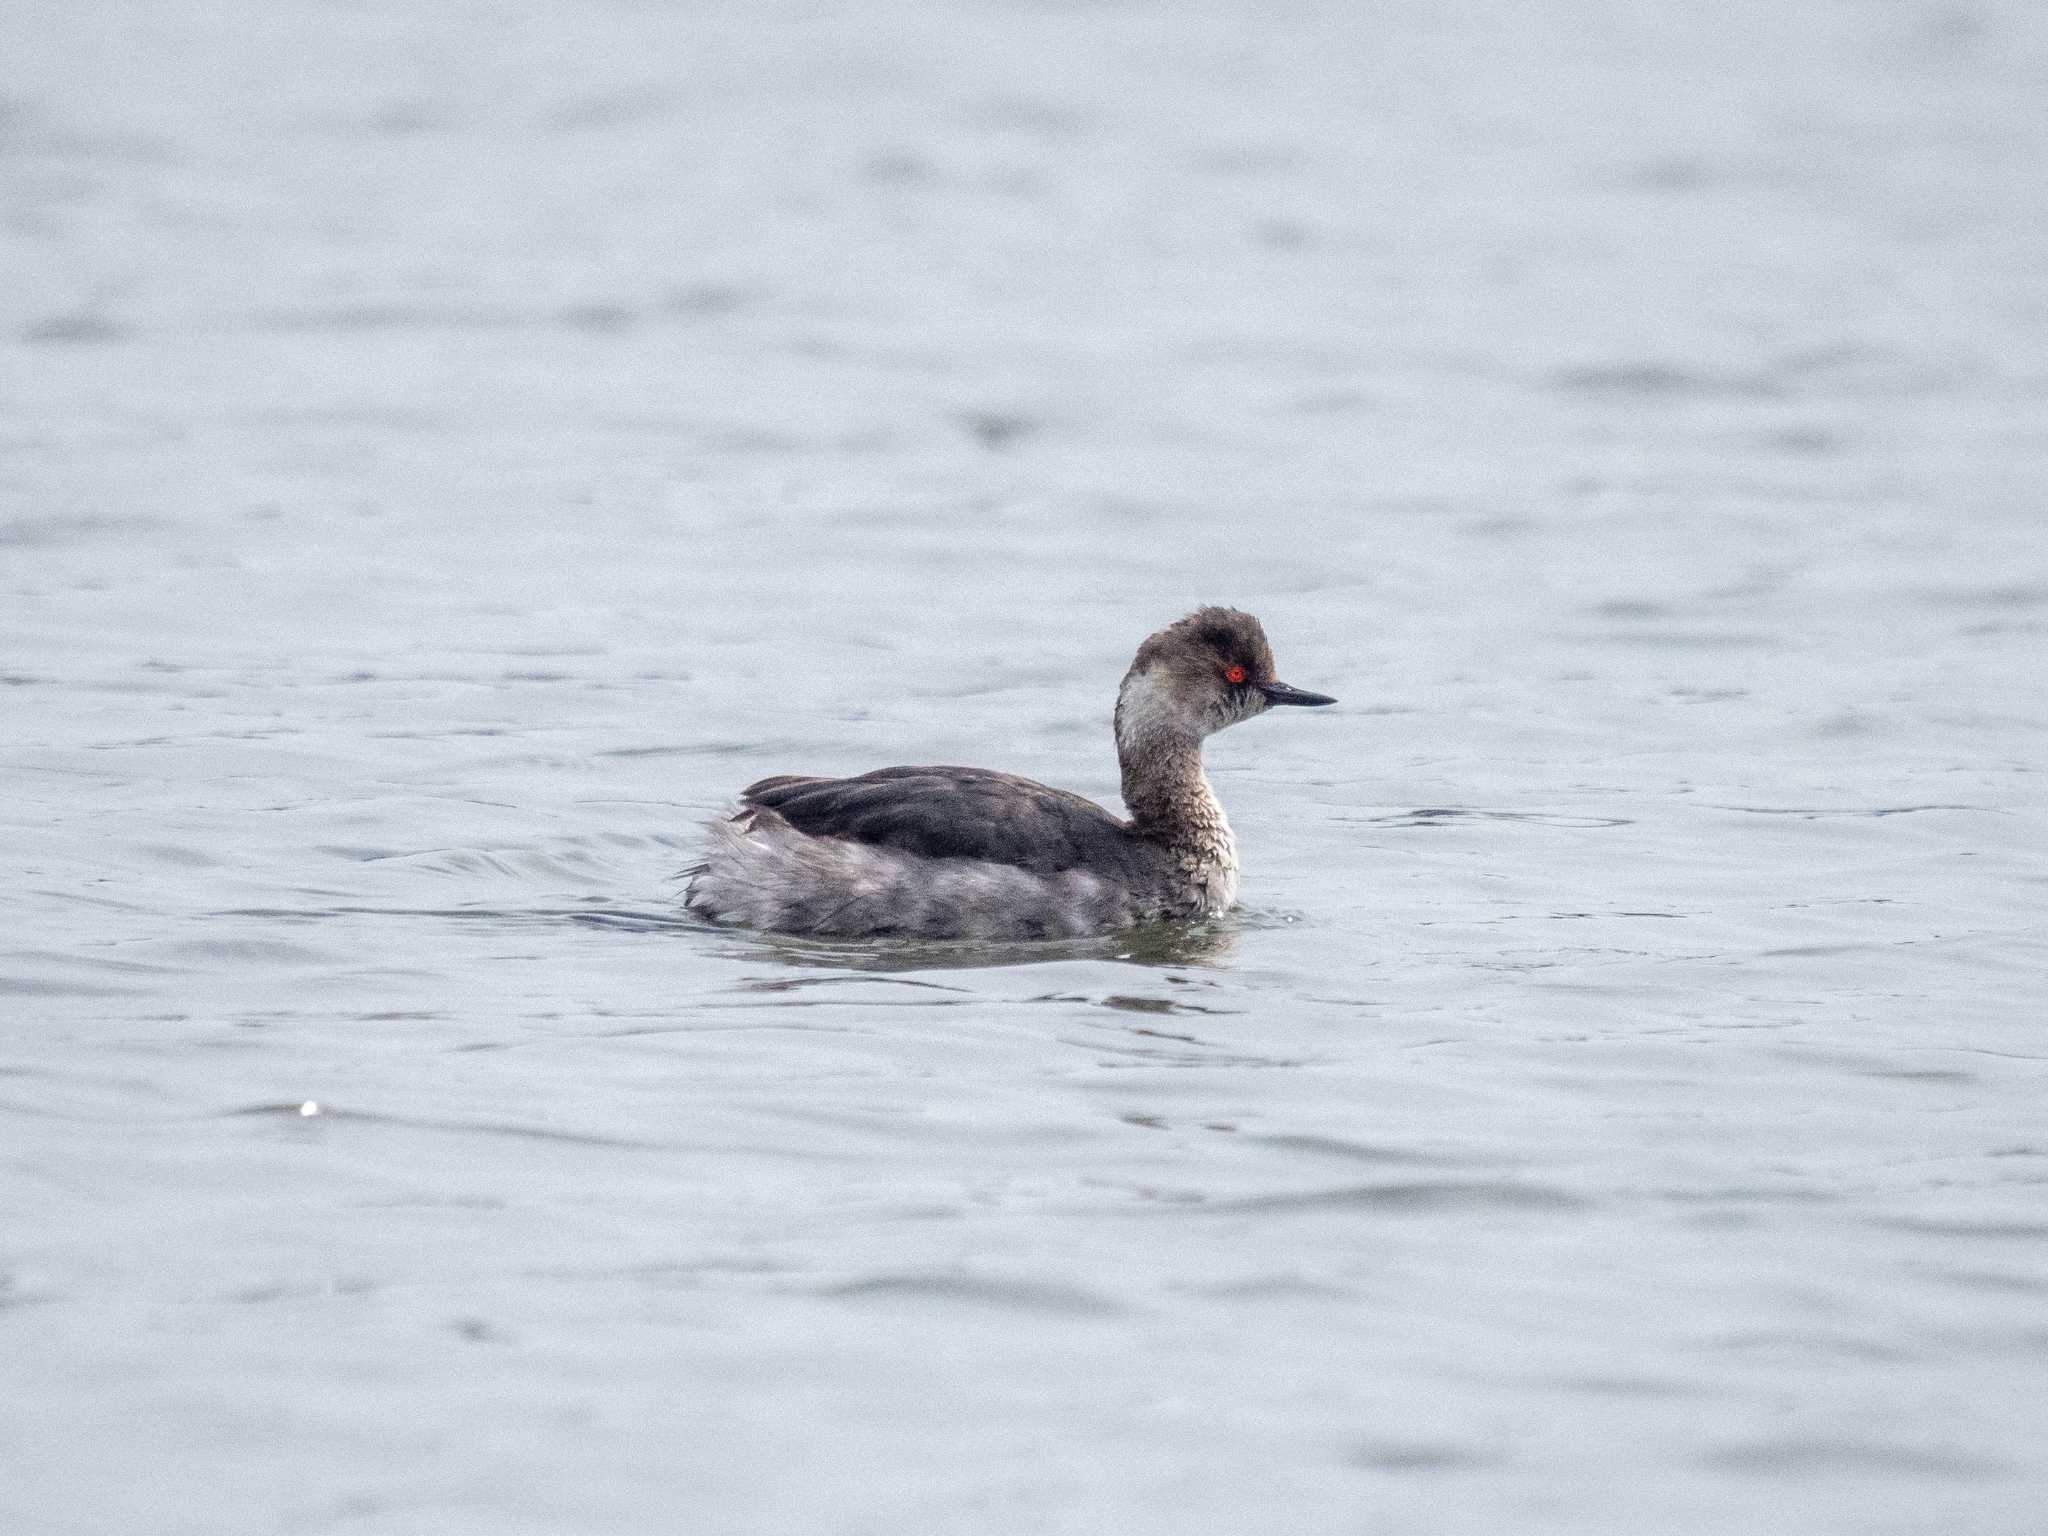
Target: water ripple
[[979, 1290], [1427, 1195]]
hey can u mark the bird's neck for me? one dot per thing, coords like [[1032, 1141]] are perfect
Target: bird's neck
[[1164, 787], [1159, 750], [1170, 799]]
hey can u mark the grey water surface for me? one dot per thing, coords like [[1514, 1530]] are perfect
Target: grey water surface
[[447, 449]]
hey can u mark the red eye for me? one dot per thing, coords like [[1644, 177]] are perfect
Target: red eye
[[1233, 674]]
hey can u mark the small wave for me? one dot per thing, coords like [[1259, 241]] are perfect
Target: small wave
[[980, 1290], [1347, 1151], [1418, 1195], [1934, 1226], [1445, 815], [1420, 1456], [38, 986], [305, 1112], [1820, 1458], [1812, 812], [1124, 1003]]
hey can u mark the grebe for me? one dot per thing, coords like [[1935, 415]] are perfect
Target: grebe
[[964, 853]]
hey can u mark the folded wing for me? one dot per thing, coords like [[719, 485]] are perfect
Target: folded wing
[[957, 813]]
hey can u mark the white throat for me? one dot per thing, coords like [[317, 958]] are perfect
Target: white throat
[[1149, 720]]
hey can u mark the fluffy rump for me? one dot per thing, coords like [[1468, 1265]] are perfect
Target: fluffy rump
[[761, 872]]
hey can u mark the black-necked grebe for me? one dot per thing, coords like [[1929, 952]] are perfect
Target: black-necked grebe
[[969, 854]]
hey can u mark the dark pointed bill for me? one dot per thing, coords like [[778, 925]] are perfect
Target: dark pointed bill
[[1280, 693]]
